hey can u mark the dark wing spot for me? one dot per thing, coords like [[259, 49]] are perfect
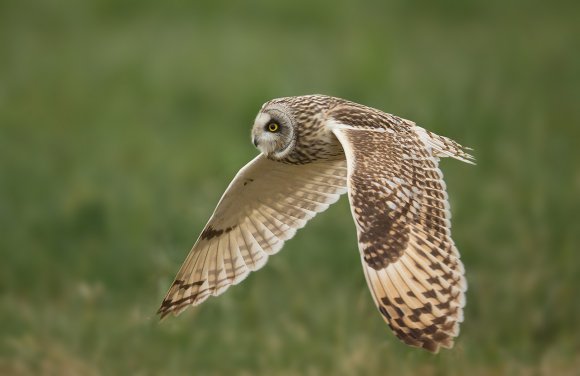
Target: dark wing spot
[[383, 310], [184, 286], [430, 294], [210, 232], [439, 320]]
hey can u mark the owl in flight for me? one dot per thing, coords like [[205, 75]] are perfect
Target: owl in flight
[[313, 149]]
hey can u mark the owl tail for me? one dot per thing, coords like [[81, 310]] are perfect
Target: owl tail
[[445, 147]]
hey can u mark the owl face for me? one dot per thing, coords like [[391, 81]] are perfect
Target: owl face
[[274, 130]]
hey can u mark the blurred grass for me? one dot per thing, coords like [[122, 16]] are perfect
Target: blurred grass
[[122, 122]]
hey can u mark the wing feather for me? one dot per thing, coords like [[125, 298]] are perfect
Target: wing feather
[[399, 204], [284, 216], [266, 203]]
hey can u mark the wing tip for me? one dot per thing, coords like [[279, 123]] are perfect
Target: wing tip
[[164, 311]]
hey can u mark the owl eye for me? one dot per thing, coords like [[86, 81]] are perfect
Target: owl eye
[[273, 127]]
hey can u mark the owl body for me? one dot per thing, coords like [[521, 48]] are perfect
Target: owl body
[[314, 149]]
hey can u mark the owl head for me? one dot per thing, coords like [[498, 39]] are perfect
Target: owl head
[[274, 130]]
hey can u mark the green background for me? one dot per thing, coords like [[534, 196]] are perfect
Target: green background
[[122, 122]]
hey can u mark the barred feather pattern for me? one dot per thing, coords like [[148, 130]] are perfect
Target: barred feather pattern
[[262, 208], [400, 208]]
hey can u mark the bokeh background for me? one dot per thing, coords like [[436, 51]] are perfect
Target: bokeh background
[[122, 122]]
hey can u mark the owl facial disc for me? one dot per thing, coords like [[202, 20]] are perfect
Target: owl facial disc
[[273, 131]]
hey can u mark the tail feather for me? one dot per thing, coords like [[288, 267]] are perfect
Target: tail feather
[[445, 147]]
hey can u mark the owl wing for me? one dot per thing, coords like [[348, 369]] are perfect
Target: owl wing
[[263, 206], [399, 204]]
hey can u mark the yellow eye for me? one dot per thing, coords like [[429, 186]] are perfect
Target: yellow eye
[[273, 127]]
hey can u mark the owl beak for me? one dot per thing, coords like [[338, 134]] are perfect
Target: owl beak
[[255, 141]]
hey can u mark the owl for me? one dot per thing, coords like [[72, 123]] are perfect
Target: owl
[[313, 149]]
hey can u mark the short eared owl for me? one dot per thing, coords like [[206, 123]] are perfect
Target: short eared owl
[[313, 149]]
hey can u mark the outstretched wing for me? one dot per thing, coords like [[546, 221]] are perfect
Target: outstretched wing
[[263, 206], [400, 209]]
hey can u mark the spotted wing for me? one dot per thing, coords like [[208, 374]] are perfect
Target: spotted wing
[[400, 209], [264, 205]]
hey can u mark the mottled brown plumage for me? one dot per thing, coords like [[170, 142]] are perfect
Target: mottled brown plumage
[[315, 148]]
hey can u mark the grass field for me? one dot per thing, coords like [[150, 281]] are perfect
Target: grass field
[[122, 122]]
